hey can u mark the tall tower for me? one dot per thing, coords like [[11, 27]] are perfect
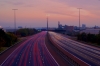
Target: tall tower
[[58, 24], [47, 24]]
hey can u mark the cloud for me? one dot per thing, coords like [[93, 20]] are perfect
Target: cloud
[[1, 5], [78, 2], [85, 4], [12, 2], [59, 13], [28, 6], [18, 3]]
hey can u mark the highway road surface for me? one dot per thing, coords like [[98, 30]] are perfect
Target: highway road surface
[[32, 52], [85, 53]]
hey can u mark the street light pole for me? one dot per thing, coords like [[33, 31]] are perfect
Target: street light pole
[[47, 23], [15, 19], [79, 19]]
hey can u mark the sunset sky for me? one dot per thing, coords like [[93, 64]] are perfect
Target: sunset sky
[[32, 13]]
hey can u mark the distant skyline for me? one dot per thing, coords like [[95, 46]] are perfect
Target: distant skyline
[[32, 13]]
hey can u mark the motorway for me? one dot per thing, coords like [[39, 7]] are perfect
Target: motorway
[[32, 52], [85, 53]]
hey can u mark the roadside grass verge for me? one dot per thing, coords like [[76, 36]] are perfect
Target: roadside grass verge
[[2, 49]]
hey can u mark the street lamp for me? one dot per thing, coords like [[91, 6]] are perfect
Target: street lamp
[[47, 22], [15, 18], [79, 19]]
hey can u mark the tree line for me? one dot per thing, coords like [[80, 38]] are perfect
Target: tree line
[[93, 38], [26, 32], [9, 38]]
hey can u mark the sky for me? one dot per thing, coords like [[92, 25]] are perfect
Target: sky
[[33, 13]]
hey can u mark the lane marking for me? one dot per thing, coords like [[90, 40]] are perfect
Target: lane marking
[[14, 51], [75, 56], [50, 54]]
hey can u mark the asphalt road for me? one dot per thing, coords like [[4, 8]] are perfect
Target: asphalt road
[[86, 53], [32, 52], [56, 53]]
